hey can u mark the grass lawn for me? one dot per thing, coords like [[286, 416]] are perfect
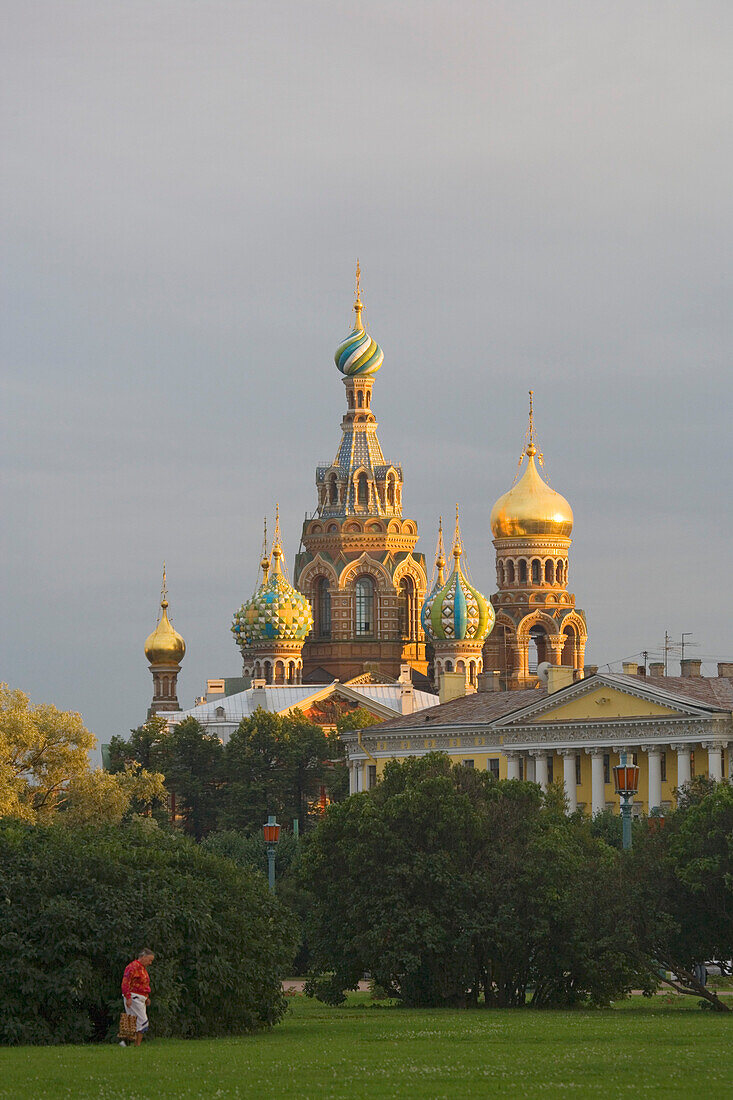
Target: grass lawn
[[664, 1047]]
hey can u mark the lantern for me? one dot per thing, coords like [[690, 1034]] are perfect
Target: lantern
[[626, 777]]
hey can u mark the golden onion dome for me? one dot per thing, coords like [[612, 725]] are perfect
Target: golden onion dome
[[531, 508], [165, 646]]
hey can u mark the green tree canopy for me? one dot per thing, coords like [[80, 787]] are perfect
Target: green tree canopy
[[446, 884]]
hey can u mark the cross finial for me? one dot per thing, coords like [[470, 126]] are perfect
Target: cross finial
[[531, 448], [357, 300], [164, 589], [457, 548], [277, 550], [265, 559]]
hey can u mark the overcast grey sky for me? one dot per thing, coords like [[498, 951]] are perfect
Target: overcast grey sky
[[539, 194]]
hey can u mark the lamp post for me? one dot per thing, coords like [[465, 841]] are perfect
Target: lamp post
[[272, 835], [626, 777]]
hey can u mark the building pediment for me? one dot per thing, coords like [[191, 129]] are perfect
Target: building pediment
[[607, 698]]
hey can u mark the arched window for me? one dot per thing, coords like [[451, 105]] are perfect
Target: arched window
[[500, 574], [538, 647], [522, 570], [536, 571], [390, 492], [323, 608], [362, 489], [549, 572], [558, 572], [448, 666], [510, 572], [569, 650], [407, 608], [267, 670], [332, 490], [360, 399], [364, 592]]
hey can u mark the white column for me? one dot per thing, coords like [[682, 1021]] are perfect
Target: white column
[[598, 787], [540, 770], [353, 773], [512, 765], [530, 770], [571, 791], [715, 761], [683, 764], [654, 762]]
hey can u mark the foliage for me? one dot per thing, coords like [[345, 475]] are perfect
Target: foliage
[[146, 746], [79, 904], [45, 773], [274, 764], [358, 719], [192, 761], [682, 872], [445, 885], [363, 1052]]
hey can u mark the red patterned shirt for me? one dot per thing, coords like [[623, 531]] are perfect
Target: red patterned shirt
[[135, 979]]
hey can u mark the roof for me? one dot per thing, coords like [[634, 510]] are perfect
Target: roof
[[279, 698], [483, 706], [489, 706]]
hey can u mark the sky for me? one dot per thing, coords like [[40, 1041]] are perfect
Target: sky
[[539, 196]]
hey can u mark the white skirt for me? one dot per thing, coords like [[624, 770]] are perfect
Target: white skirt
[[138, 1009]]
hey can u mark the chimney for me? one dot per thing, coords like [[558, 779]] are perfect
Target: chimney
[[690, 668], [629, 668], [641, 670], [559, 676], [452, 686], [489, 681], [259, 694], [407, 691], [725, 669], [656, 668], [589, 670]]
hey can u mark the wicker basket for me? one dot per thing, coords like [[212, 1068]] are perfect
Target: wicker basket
[[128, 1027]]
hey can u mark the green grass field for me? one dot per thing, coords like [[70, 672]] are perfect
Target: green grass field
[[662, 1047]]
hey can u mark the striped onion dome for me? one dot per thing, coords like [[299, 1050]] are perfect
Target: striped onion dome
[[358, 356], [458, 611]]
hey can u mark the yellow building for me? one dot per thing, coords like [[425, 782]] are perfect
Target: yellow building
[[574, 730]]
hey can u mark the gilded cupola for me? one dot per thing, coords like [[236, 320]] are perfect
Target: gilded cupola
[[164, 646], [458, 611], [358, 355], [531, 508]]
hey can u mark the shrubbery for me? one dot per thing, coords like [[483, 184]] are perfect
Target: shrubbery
[[76, 904]]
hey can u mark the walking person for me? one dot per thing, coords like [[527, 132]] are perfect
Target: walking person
[[136, 992]]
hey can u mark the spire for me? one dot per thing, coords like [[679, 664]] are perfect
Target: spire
[[440, 554], [530, 448], [265, 561], [358, 305], [164, 590], [277, 550], [457, 544]]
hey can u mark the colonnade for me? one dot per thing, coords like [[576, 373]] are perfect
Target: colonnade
[[537, 768]]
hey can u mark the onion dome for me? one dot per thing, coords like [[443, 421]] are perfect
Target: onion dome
[[164, 646], [458, 611], [531, 508], [277, 611], [439, 574], [358, 355]]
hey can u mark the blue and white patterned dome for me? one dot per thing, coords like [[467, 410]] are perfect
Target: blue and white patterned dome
[[358, 355]]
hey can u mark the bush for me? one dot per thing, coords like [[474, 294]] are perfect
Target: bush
[[77, 904]]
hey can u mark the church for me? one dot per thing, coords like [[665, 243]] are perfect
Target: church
[[508, 671]]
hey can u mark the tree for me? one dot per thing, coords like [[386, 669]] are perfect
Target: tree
[[447, 886], [274, 764], [79, 904], [45, 772], [192, 761], [146, 746], [682, 871]]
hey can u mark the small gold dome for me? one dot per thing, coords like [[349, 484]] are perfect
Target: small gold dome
[[531, 508], [165, 646]]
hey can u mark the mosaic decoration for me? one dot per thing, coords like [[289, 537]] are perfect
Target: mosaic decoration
[[277, 612], [358, 354], [455, 610]]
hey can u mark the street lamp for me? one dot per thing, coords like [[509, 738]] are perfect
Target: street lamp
[[272, 835], [626, 777]]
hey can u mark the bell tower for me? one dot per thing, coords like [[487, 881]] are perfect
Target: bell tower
[[536, 617], [359, 568], [164, 649]]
